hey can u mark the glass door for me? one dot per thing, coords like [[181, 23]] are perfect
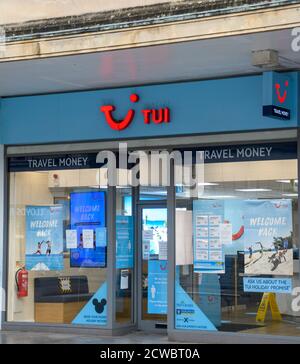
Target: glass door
[[153, 267]]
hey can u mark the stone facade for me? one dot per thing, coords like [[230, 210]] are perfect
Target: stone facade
[[54, 17]]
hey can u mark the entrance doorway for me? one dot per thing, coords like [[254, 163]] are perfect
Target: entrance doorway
[[152, 266]]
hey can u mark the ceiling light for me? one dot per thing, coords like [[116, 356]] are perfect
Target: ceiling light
[[98, 186], [290, 194], [208, 184], [253, 190], [219, 197], [283, 180]]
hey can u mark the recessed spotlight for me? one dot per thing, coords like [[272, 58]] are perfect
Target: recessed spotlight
[[208, 184], [218, 197], [253, 190]]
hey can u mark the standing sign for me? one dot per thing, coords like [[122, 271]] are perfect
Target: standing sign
[[268, 237], [157, 286], [268, 299], [208, 247], [44, 238], [124, 242]]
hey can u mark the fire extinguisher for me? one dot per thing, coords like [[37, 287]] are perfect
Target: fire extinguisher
[[22, 282]]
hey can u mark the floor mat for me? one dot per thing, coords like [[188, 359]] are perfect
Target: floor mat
[[233, 327]]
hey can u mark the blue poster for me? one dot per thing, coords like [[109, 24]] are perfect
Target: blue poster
[[268, 237], [101, 237], [270, 285], [88, 213], [158, 286], [188, 315], [124, 242], [95, 311], [44, 238], [210, 297], [208, 248]]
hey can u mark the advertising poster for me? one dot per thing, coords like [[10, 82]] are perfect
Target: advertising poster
[[88, 238], [155, 231], [101, 237], [188, 315], [210, 297], [269, 285], [44, 238], [157, 286], [71, 239], [95, 311], [234, 219], [124, 242], [87, 216], [268, 237], [208, 247]]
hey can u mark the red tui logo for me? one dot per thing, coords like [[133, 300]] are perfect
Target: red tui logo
[[156, 116], [281, 98], [117, 124]]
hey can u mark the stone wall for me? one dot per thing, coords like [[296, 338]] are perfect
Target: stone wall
[[36, 17]]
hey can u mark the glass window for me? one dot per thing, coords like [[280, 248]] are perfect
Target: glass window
[[237, 249], [57, 267], [124, 255]]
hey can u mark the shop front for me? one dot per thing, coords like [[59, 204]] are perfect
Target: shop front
[[168, 208]]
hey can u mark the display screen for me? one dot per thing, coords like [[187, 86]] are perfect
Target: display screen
[[87, 210]]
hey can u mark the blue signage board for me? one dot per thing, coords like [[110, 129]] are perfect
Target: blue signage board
[[157, 286], [268, 285], [218, 154], [191, 106], [44, 238], [124, 242], [88, 213], [279, 90]]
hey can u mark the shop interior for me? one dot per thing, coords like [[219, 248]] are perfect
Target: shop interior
[[232, 308]]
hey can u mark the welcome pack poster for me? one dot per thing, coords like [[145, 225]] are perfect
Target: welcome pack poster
[[44, 238], [88, 213], [268, 237], [262, 229]]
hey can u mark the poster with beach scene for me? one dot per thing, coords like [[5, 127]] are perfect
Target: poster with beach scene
[[268, 237], [44, 238]]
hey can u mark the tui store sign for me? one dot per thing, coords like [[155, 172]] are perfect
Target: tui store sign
[[219, 154], [278, 95]]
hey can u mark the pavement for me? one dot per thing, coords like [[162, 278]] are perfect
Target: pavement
[[14, 337]]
